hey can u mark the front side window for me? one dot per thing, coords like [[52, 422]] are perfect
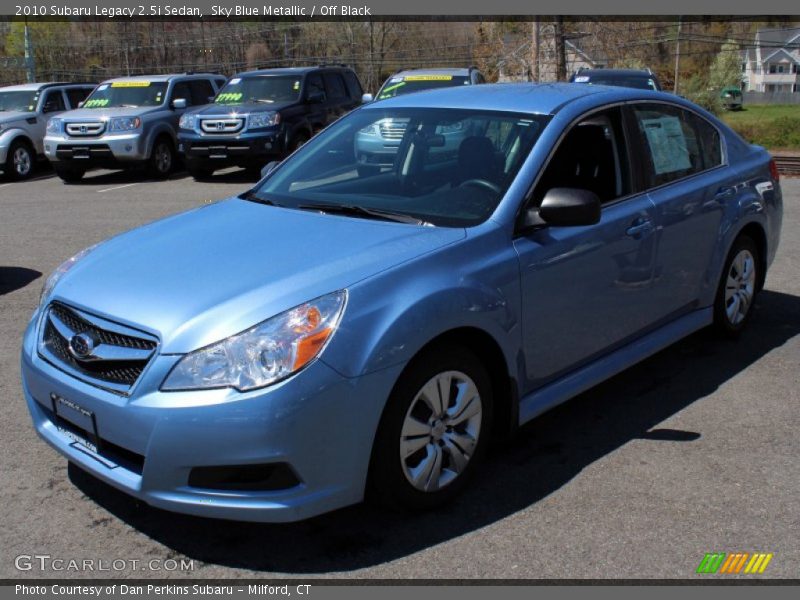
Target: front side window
[[19, 101], [261, 89], [53, 102], [678, 143], [592, 156], [399, 85], [450, 168], [130, 94]]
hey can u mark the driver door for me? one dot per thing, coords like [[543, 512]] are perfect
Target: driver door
[[587, 290]]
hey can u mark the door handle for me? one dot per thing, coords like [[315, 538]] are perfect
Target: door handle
[[640, 228], [725, 192]]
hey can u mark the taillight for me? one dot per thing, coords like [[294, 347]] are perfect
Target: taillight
[[773, 170]]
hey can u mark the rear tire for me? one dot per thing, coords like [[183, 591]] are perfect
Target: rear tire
[[429, 443], [162, 159], [738, 288], [69, 174], [21, 161]]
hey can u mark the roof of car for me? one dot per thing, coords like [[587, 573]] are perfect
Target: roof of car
[[33, 87], [288, 70], [438, 71], [539, 98], [621, 72], [160, 77]]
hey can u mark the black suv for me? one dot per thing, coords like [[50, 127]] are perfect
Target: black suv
[[643, 79], [263, 115]]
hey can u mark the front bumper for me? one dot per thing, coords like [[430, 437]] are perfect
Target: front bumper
[[246, 149], [105, 150], [317, 422]]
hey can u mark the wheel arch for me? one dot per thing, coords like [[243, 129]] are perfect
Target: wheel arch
[[755, 231]]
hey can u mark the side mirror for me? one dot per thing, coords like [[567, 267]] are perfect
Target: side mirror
[[269, 167], [179, 103], [316, 97], [367, 98], [570, 207], [80, 104]]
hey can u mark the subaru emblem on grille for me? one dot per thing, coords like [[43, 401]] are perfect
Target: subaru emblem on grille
[[81, 346]]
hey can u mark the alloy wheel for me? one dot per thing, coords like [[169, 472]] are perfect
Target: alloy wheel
[[163, 158], [740, 286], [22, 161], [440, 431]]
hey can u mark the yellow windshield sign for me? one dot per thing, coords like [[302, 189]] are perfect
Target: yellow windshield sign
[[128, 84], [428, 78]]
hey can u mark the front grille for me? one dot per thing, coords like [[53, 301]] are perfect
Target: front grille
[[116, 359], [221, 125], [393, 130], [85, 129]]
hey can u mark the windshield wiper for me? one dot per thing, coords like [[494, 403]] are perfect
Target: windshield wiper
[[253, 197], [362, 211]]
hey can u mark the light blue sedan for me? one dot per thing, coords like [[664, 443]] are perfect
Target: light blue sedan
[[336, 332]]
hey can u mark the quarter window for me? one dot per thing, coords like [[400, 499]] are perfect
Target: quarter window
[[353, 86], [77, 95], [201, 91]]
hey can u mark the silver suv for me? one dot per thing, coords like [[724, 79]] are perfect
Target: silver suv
[[127, 122], [24, 110]]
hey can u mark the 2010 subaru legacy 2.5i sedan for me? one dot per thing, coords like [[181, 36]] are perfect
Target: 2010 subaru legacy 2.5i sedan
[[334, 332]]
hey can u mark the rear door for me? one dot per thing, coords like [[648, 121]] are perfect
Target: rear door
[[690, 185]]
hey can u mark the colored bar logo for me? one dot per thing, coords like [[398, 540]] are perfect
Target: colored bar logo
[[734, 563]]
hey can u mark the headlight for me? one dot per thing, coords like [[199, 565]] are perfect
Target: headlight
[[187, 121], [263, 354], [56, 275], [125, 123], [54, 126], [265, 119], [372, 129]]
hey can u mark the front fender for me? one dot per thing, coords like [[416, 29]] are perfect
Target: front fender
[[8, 136], [157, 130], [390, 317]]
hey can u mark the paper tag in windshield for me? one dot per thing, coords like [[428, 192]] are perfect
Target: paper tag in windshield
[[428, 78], [130, 84]]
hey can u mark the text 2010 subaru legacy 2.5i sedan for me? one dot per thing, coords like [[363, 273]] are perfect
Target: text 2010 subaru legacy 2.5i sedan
[[334, 332]]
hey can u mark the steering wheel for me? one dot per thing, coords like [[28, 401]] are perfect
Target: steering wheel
[[483, 183]]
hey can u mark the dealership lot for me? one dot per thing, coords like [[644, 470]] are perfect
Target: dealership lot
[[692, 451]]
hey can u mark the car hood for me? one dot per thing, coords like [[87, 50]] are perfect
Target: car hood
[[227, 109], [201, 276], [15, 115], [96, 114]]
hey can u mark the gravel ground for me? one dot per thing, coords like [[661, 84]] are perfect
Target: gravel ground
[[692, 451]]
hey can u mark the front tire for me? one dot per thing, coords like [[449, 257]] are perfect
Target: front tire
[[738, 287], [162, 160], [21, 161], [69, 174], [434, 430]]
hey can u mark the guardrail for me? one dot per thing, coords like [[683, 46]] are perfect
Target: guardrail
[[787, 163]]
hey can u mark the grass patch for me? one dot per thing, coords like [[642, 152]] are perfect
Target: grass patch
[[775, 127]]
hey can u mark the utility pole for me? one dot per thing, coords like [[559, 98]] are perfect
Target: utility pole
[[561, 58], [30, 60], [677, 58], [535, 47]]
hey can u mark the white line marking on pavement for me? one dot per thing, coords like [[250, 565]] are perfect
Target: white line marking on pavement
[[119, 187]]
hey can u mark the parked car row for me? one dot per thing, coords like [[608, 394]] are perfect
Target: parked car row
[[209, 123]]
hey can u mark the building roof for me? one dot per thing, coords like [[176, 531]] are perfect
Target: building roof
[[779, 37]]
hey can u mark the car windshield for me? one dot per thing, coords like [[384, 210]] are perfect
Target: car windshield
[[266, 89], [642, 83], [447, 167], [127, 93], [19, 101], [395, 86]]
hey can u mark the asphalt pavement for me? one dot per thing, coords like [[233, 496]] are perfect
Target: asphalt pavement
[[694, 450]]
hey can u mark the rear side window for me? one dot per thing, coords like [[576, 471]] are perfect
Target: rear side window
[[53, 101], [201, 91], [334, 86], [77, 95], [677, 143], [220, 83], [353, 86], [314, 84]]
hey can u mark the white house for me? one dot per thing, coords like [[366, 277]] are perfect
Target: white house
[[773, 64]]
